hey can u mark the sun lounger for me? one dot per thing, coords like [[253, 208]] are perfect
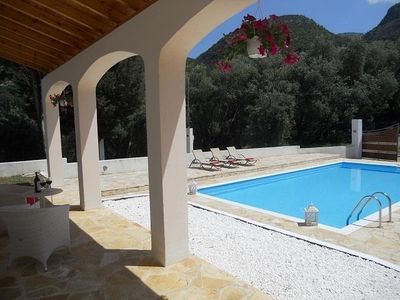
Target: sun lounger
[[240, 158], [217, 155], [203, 163]]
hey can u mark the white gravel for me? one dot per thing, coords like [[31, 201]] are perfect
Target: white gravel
[[281, 266]]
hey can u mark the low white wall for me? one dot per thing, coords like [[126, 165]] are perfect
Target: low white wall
[[256, 152], [140, 163], [343, 151], [110, 166], [22, 167]]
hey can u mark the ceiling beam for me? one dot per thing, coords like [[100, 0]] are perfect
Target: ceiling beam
[[35, 44], [23, 61], [72, 10], [116, 11], [20, 47], [44, 34], [29, 55], [53, 19], [38, 36], [29, 22]]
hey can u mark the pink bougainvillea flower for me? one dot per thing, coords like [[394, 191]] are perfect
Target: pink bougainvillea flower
[[291, 58], [287, 42], [258, 24], [241, 37], [285, 29], [249, 18], [269, 38], [244, 26], [261, 49], [274, 37], [229, 40], [274, 17], [274, 50], [265, 23], [224, 67]]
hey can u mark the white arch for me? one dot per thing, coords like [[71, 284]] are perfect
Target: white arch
[[86, 132], [97, 69], [163, 34], [55, 163]]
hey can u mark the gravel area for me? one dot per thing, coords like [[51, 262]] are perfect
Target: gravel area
[[281, 266]]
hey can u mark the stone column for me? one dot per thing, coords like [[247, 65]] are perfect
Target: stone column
[[166, 144], [87, 150], [356, 137], [52, 136]]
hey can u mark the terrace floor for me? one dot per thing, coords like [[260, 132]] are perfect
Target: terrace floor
[[111, 256], [110, 259]]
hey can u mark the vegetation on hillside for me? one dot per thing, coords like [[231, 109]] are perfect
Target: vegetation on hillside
[[262, 103]]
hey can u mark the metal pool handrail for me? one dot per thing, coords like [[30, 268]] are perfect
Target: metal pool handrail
[[390, 205], [369, 198]]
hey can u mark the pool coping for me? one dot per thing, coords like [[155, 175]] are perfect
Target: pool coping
[[368, 220]]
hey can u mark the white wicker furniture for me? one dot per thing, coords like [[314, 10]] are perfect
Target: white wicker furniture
[[3, 228], [36, 232]]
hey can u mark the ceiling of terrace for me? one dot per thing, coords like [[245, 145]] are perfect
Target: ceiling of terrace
[[44, 34]]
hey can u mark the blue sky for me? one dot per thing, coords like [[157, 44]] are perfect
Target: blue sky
[[335, 15]]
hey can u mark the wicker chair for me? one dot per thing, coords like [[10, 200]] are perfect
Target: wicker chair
[[37, 232], [3, 229]]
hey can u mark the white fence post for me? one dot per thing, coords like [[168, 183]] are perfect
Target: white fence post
[[356, 137], [189, 140]]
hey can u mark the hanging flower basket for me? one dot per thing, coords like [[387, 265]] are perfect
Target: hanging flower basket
[[258, 38], [61, 100]]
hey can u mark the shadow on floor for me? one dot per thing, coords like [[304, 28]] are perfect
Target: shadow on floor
[[89, 272]]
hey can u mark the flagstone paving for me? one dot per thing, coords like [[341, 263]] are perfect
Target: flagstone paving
[[110, 259]]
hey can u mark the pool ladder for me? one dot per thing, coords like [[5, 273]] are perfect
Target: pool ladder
[[365, 200]]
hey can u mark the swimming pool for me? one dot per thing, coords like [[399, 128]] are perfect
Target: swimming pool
[[335, 189]]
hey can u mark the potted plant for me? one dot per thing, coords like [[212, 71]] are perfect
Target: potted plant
[[258, 38], [61, 100]]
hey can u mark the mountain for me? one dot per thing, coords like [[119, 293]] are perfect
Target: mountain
[[388, 28], [213, 54], [305, 32]]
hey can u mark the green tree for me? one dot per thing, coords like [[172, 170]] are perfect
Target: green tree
[[353, 60], [121, 109]]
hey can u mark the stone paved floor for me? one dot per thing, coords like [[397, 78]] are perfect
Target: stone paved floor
[[110, 259]]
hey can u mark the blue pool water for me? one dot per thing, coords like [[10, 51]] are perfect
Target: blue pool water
[[335, 189]]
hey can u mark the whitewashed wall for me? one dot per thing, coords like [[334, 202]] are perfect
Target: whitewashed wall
[[23, 167], [343, 151], [140, 163]]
